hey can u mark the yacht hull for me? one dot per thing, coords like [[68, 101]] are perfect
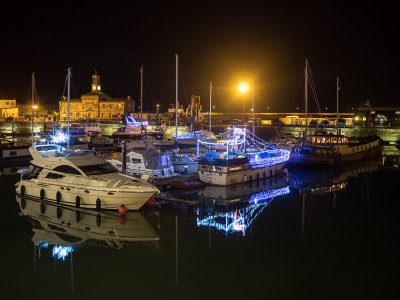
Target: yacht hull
[[109, 199], [235, 177]]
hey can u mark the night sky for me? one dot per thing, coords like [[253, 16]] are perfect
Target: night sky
[[220, 41]]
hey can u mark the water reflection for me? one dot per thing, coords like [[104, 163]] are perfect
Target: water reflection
[[66, 229], [233, 209], [240, 219], [322, 181]]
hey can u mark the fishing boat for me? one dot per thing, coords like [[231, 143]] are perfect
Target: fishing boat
[[75, 178], [246, 158], [139, 162]]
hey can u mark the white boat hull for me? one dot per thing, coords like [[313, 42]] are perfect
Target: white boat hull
[[109, 199], [235, 177]]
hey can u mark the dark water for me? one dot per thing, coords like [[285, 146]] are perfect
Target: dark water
[[330, 235]]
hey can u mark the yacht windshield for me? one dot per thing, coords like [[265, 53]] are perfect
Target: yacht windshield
[[98, 169]]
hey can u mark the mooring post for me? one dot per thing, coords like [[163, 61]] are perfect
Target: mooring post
[[123, 157]]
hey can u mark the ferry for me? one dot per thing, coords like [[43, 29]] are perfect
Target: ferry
[[79, 179], [246, 158], [322, 149]]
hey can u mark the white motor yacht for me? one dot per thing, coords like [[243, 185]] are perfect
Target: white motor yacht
[[81, 180]]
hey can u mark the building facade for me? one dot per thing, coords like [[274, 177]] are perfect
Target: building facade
[[8, 108], [95, 105]]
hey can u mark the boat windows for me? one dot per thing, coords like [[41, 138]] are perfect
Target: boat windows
[[32, 172], [67, 169], [136, 160], [98, 169], [12, 153], [54, 176]]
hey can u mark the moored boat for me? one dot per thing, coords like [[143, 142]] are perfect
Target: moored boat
[[79, 179], [246, 158], [323, 149]]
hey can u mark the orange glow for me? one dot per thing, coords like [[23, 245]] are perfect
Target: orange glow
[[243, 87]]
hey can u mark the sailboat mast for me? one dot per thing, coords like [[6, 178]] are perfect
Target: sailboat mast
[[337, 103], [33, 97], [68, 95], [252, 105], [209, 134], [305, 97], [176, 95], [141, 93]]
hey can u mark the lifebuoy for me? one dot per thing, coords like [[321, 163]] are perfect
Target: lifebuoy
[[78, 201], [42, 193], [58, 197], [233, 181], [98, 204]]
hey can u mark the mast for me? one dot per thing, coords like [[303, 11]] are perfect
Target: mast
[[337, 104], [33, 103], [209, 135], [68, 94], [141, 93], [306, 96], [176, 95], [252, 104]]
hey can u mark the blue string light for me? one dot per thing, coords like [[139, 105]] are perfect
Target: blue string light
[[59, 137]]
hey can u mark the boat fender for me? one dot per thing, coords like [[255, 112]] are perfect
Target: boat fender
[[78, 201], [122, 210], [98, 204], [58, 197], [22, 190], [23, 203], [42, 208], [77, 216], [98, 220], [233, 181], [59, 212], [42, 193]]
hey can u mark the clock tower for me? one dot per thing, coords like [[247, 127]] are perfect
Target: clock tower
[[96, 86]]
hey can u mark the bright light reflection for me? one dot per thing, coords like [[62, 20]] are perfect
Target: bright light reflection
[[61, 252], [240, 219]]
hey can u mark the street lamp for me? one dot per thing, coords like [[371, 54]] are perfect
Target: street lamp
[[243, 88]]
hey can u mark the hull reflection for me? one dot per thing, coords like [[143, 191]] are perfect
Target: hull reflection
[[66, 229], [233, 209], [329, 180]]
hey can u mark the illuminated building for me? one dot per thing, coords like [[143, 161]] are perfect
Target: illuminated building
[[95, 105], [8, 108]]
